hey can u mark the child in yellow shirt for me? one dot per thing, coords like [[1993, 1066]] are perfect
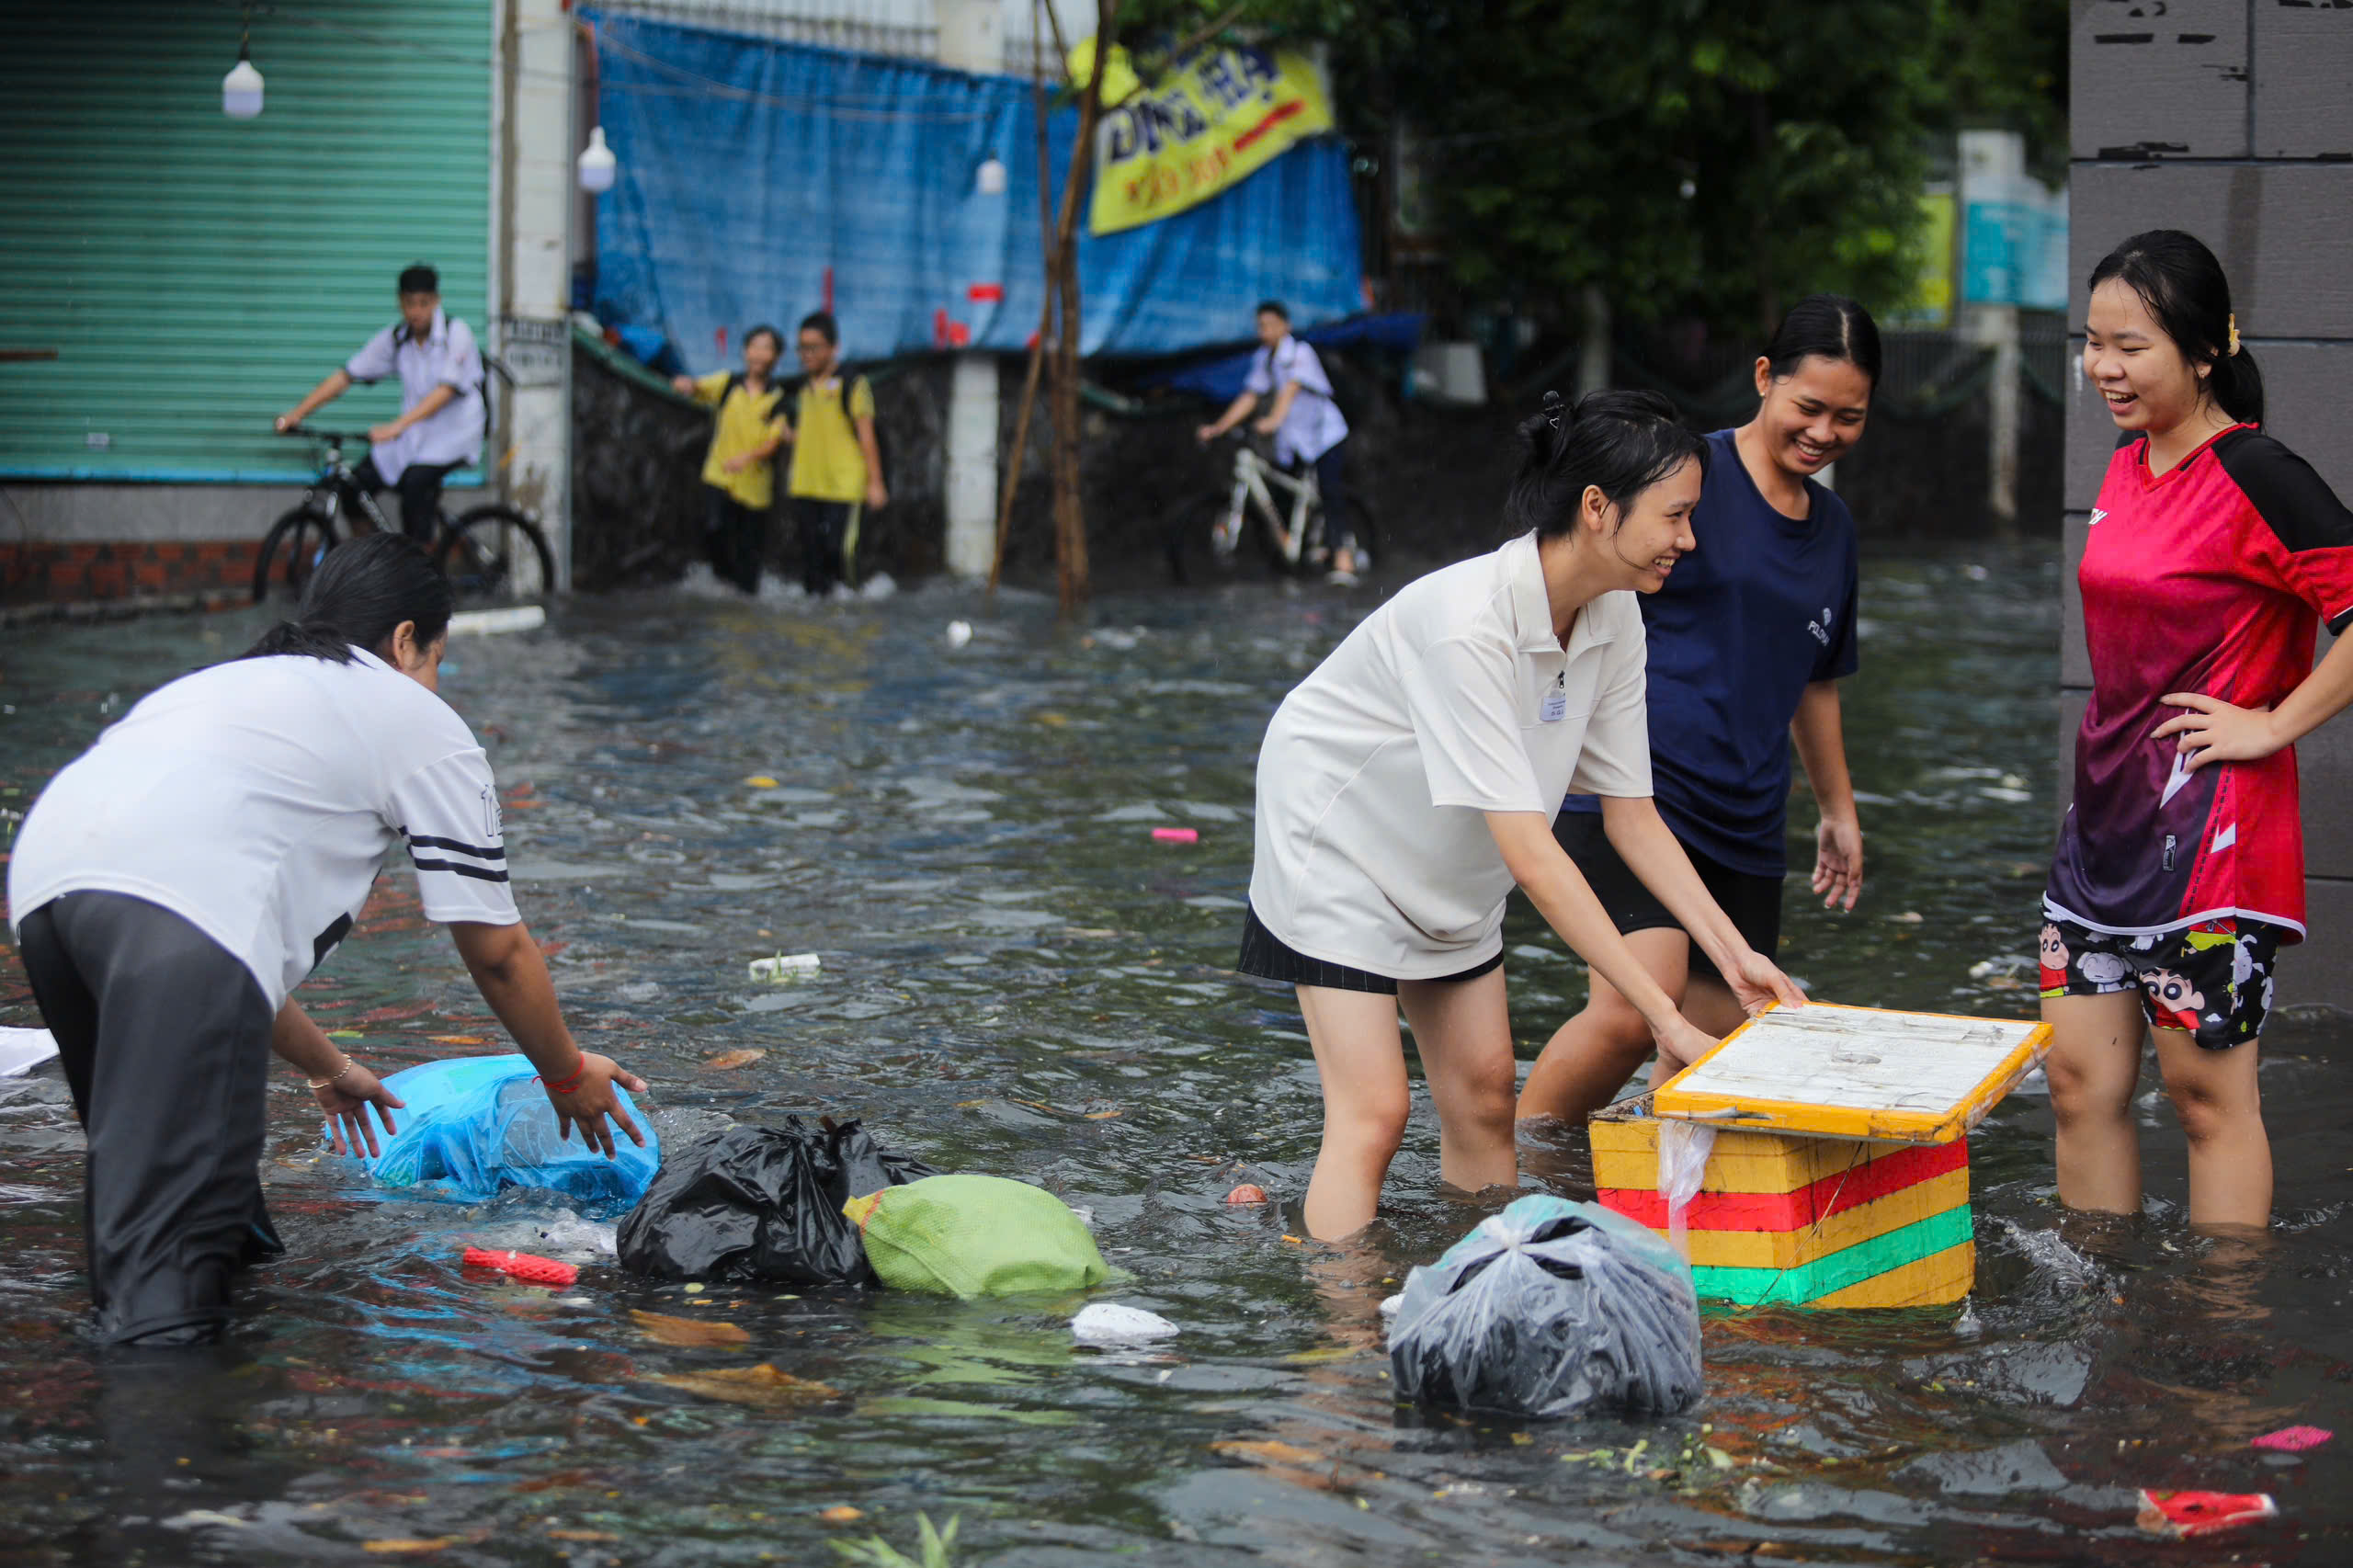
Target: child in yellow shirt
[[739, 469], [837, 467]]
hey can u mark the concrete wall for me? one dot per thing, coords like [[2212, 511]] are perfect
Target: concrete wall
[[2234, 119]]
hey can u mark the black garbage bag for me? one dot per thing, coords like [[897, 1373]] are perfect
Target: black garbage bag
[[1546, 1309], [763, 1203]]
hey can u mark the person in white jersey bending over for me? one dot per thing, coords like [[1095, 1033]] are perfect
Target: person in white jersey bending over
[[175, 882], [1410, 782]]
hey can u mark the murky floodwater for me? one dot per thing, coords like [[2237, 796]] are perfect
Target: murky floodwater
[[1018, 980]]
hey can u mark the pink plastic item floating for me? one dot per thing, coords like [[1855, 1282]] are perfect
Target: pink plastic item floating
[[2293, 1439], [527, 1266], [2184, 1515], [1177, 834]]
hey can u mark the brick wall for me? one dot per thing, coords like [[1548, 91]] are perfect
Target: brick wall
[[40, 572], [2234, 119]]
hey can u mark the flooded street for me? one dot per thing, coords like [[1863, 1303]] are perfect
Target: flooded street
[[1018, 980]]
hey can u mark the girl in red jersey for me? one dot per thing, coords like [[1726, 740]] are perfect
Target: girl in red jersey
[[2213, 553]]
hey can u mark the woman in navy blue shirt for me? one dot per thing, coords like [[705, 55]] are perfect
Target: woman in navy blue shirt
[[1747, 641]]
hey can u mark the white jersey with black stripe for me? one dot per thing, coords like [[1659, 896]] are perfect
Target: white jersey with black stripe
[[259, 799]]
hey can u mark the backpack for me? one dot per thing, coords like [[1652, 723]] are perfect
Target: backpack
[[850, 377]]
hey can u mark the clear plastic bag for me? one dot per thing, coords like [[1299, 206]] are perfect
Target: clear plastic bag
[[479, 1124], [1547, 1309]]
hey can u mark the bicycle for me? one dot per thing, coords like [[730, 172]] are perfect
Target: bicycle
[[1295, 532], [492, 554]]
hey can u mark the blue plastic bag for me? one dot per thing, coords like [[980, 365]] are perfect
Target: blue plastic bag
[[1547, 1309], [479, 1124]]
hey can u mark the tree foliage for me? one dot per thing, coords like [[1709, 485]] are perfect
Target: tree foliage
[[1715, 158]]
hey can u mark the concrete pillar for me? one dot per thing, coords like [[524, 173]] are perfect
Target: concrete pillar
[[530, 449], [972, 38], [1993, 168]]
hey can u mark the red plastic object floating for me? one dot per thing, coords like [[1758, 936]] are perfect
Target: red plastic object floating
[[1248, 1192], [1177, 834], [2293, 1439], [2187, 1514], [527, 1266]]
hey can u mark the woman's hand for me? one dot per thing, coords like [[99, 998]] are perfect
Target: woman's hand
[[591, 1099], [1680, 1043], [1838, 861], [1756, 981], [346, 1100], [2216, 732]]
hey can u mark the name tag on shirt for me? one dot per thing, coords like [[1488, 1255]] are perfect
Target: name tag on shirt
[[1555, 707]]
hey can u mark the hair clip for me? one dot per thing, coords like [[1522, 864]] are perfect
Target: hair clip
[[1552, 403], [2235, 332]]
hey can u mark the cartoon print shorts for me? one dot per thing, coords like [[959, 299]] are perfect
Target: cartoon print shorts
[[2213, 979]]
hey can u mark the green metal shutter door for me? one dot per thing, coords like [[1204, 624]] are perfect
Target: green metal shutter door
[[197, 274]]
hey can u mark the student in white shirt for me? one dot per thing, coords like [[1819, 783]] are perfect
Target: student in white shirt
[[1306, 422], [1409, 783], [442, 412], [174, 885]]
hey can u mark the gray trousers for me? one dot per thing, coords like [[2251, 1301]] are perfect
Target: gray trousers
[[164, 1038]]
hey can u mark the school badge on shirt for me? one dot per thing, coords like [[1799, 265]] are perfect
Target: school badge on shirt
[[1556, 701]]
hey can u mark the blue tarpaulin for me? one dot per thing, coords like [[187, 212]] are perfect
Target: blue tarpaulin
[[752, 173]]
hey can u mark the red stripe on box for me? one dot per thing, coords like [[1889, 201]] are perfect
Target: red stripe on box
[[1793, 1211]]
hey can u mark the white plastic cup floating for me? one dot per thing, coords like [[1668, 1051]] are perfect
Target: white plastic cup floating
[[786, 966], [958, 633]]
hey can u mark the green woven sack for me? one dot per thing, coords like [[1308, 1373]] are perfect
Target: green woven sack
[[975, 1236]]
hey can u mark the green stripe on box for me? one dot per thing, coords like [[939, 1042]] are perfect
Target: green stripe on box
[[1848, 1266]]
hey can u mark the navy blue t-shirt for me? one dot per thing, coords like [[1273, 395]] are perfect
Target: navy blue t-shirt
[[1764, 607]]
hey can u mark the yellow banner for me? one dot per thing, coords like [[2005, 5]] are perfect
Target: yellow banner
[[1219, 116]]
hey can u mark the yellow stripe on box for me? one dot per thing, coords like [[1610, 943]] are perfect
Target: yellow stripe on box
[[1939, 1277], [1788, 1249]]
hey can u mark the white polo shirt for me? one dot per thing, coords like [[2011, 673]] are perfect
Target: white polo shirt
[[1314, 425], [1452, 699], [257, 799], [447, 358]]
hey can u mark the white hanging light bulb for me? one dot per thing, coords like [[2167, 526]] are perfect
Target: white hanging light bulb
[[241, 88], [597, 164], [990, 179]]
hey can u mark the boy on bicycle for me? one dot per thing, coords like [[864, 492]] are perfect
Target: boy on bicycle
[[442, 419], [1306, 424]]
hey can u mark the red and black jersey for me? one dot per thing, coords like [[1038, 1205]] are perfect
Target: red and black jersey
[[2211, 578]]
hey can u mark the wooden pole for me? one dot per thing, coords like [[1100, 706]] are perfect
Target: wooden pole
[[1070, 518]]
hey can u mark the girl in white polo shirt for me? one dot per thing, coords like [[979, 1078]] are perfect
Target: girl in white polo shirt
[[173, 885], [1410, 782]]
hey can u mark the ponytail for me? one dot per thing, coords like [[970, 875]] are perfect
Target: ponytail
[[2237, 385], [360, 593]]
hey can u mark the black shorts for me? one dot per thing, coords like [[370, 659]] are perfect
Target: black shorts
[[2213, 979], [1754, 903], [1267, 956]]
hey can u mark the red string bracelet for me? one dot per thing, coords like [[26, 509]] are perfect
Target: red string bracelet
[[566, 1085]]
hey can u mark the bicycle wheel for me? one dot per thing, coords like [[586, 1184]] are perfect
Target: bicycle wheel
[[495, 555], [288, 553]]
